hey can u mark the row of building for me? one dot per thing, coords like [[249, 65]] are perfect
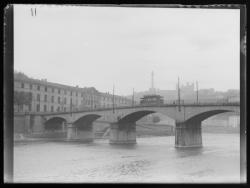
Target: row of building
[[188, 94], [44, 96]]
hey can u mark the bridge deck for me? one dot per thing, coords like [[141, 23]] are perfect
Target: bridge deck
[[129, 107]]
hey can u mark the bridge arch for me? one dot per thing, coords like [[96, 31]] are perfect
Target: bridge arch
[[204, 115], [55, 123], [134, 116], [85, 122], [189, 132]]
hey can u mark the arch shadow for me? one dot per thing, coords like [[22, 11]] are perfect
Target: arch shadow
[[202, 116], [134, 116], [85, 122], [54, 123]]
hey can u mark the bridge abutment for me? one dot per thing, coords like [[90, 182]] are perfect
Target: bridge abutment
[[82, 135], [63, 126], [37, 124], [122, 133], [188, 135]]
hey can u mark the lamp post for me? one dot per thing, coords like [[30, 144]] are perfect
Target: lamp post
[[133, 98], [113, 99], [197, 94], [179, 96], [92, 106], [71, 106]]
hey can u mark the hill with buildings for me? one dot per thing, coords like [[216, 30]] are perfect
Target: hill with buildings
[[188, 94]]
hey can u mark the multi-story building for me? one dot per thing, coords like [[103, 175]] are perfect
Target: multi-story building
[[187, 89], [107, 100], [46, 96]]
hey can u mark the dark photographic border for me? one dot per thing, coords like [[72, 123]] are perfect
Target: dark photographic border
[[9, 69]]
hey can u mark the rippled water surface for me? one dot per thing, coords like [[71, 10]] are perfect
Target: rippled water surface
[[152, 159]]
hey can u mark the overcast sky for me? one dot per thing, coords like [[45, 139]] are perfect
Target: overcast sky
[[102, 46]]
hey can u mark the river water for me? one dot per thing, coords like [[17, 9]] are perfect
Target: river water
[[151, 160]]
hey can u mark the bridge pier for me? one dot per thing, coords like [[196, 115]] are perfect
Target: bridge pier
[[122, 133], [82, 135], [71, 131], [37, 124], [27, 124], [63, 126], [188, 134]]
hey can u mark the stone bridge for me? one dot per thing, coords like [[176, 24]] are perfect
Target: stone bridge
[[122, 121]]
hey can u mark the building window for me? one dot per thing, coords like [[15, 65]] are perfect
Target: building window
[[38, 107], [58, 109], [21, 108], [45, 98], [45, 88], [30, 107], [65, 92], [65, 100], [38, 97], [58, 99], [64, 109], [38, 88], [53, 90], [52, 108], [44, 108], [76, 94], [30, 86], [71, 93], [22, 85], [52, 99], [59, 91]]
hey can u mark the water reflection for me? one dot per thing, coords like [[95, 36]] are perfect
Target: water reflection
[[121, 146], [188, 152]]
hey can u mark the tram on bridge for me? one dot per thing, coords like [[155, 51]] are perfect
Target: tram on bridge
[[151, 100]]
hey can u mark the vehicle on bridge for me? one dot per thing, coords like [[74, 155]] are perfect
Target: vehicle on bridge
[[151, 100]]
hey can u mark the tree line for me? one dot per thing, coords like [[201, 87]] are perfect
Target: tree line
[[22, 98]]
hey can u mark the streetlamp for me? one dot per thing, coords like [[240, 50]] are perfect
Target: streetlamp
[[113, 99], [179, 96], [197, 94], [133, 98]]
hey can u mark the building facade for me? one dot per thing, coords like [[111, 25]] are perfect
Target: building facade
[[33, 95], [106, 100]]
